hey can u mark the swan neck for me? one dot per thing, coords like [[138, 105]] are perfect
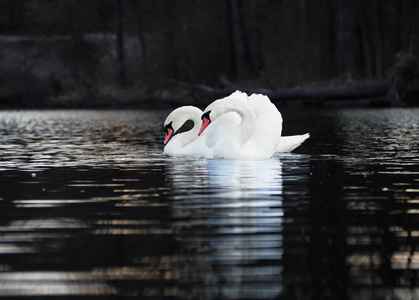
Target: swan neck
[[179, 117], [247, 125], [189, 136]]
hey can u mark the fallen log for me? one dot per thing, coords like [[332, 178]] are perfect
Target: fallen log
[[349, 91], [352, 90]]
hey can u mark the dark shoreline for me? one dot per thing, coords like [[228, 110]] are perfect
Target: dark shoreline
[[355, 93]]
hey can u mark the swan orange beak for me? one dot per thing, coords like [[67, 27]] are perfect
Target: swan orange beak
[[205, 123], [168, 135]]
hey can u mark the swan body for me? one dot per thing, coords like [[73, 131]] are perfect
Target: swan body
[[257, 136]]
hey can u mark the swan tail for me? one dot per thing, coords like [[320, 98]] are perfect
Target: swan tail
[[289, 143]]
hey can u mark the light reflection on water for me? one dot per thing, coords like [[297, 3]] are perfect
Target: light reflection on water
[[231, 230], [90, 206]]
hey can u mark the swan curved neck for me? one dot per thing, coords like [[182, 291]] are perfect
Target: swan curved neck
[[184, 114], [189, 136], [246, 127]]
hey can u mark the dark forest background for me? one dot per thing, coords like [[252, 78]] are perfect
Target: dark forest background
[[130, 51]]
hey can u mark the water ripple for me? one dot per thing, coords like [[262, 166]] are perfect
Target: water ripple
[[91, 207]]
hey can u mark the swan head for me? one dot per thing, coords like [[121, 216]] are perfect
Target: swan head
[[168, 132], [178, 118], [206, 120], [212, 113]]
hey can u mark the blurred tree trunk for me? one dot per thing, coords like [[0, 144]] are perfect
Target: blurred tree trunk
[[415, 13], [347, 38], [138, 7], [376, 38], [328, 57], [16, 14], [254, 37], [170, 37], [120, 41], [363, 17], [237, 41], [369, 16]]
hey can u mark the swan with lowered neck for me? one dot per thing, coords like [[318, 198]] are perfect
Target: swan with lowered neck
[[258, 135], [188, 143], [182, 143]]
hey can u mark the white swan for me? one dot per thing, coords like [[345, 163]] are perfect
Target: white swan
[[258, 135], [243, 141], [188, 143], [182, 143]]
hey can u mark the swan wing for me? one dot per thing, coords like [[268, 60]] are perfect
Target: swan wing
[[268, 125]]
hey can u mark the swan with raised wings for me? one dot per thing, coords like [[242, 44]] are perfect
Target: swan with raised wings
[[243, 141]]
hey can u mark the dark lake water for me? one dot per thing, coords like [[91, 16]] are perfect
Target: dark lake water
[[91, 208]]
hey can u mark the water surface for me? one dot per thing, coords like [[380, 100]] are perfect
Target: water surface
[[91, 207]]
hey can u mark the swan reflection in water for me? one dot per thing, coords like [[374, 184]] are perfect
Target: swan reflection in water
[[227, 217]]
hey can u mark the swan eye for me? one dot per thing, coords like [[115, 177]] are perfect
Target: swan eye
[[206, 115], [168, 126]]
